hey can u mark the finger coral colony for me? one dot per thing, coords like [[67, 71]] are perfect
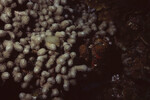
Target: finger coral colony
[[47, 45]]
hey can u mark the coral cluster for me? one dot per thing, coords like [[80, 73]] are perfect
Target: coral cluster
[[36, 46], [37, 41]]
